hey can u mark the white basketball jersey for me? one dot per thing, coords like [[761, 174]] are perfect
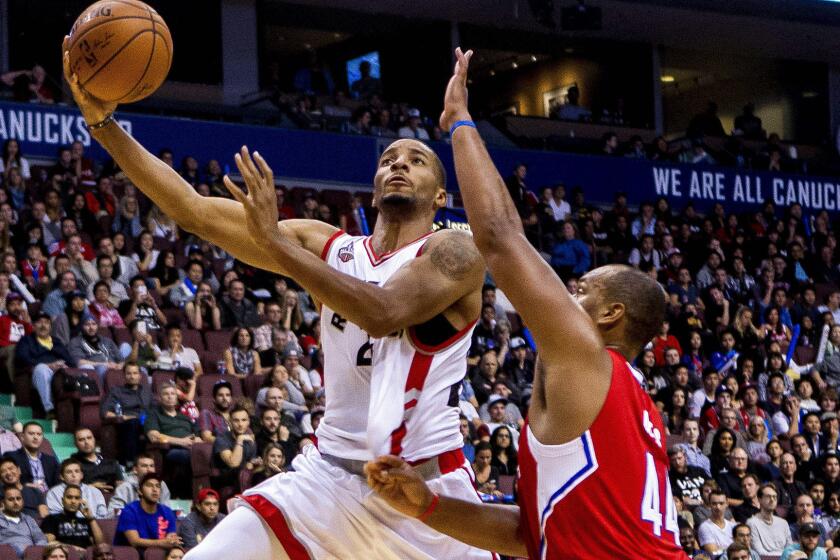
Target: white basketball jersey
[[387, 395]]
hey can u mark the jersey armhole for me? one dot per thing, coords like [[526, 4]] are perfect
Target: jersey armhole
[[328, 245]]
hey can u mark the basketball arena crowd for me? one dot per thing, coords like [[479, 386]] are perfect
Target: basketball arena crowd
[[185, 374]]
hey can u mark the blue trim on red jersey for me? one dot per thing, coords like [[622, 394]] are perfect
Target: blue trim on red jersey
[[557, 496]]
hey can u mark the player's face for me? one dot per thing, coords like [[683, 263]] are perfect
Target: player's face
[[406, 177]]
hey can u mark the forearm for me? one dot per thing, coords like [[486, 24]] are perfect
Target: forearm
[[485, 526], [155, 178]]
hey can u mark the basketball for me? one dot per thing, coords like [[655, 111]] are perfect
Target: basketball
[[121, 50]]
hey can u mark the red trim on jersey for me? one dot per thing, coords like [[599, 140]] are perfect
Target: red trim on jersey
[[448, 461], [276, 520], [417, 373], [443, 345], [376, 260], [325, 251]]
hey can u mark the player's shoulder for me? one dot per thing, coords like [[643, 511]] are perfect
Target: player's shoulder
[[454, 254]]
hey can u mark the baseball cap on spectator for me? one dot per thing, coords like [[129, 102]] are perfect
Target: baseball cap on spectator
[[493, 399], [723, 389], [41, 315], [150, 476], [205, 493], [74, 294], [483, 431], [413, 113], [291, 353], [517, 342], [809, 529], [221, 384], [744, 388]]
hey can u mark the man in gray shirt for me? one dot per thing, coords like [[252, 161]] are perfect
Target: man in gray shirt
[[16, 528], [204, 517]]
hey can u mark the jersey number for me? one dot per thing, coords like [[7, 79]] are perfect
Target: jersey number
[[364, 357], [652, 506]]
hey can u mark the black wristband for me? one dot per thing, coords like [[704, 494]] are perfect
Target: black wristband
[[103, 123]]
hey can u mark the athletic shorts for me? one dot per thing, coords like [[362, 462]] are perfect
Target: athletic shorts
[[321, 511]]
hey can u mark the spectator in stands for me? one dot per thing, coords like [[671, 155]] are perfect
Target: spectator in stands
[[572, 110], [124, 268], [161, 226], [142, 350], [185, 386], [177, 354], [412, 128], [216, 420], [129, 490], [33, 498], [504, 451], [609, 144], [147, 523], [263, 333], [165, 275], [829, 367], [382, 126], [143, 307], [204, 517], [71, 475], [91, 351], [17, 529], [751, 504], [686, 480], [237, 310], [38, 469], [103, 551], [359, 122], [45, 355], [810, 536], [803, 511], [146, 255], [273, 463], [55, 302], [203, 313], [715, 533], [241, 359], [293, 319], [14, 325], [127, 219], [570, 255], [99, 472], [706, 123], [771, 534], [234, 450], [75, 525], [126, 404], [645, 223], [748, 125], [68, 325], [105, 272], [11, 158], [274, 429], [102, 308], [366, 85], [186, 291], [166, 426]]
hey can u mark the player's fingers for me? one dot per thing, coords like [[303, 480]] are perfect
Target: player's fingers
[[265, 169], [389, 461], [249, 161], [234, 190]]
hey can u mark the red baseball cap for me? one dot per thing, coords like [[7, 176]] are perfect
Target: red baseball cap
[[205, 493]]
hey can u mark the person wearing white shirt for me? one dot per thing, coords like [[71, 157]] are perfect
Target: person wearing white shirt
[[412, 129], [71, 473], [559, 207], [715, 534]]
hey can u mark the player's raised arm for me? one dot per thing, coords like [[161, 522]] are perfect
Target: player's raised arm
[[449, 269], [218, 220], [564, 333]]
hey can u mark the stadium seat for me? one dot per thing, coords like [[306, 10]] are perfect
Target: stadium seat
[[35, 553], [154, 553], [69, 403], [804, 355], [176, 315], [252, 385], [122, 335], [106, 332], [506, 484], [109, 529], [191, 337], [201, 458], [8, 553], [217, 341], [159, 377]]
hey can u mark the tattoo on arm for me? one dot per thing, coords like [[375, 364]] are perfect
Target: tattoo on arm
[[454, 256]]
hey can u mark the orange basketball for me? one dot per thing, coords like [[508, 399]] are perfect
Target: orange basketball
[[121, 50]]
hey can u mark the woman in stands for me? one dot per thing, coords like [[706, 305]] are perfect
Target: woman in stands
[[203, 312], [146, 255], [774, 330], [292, 314], [16, 188], [102, 308], [55, 551], [69, 324], [675, 411], [13, 159], [274, 462], [241, 360], [78, 210], [722, 445], [165, 275], [757, 441], [162, 226], [127, 220], [504, 459]]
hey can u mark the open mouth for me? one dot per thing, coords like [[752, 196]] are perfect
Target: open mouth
[[397, 180]]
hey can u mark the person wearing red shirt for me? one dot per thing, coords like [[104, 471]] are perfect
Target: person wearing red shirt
[[13, 326], [662, 342]]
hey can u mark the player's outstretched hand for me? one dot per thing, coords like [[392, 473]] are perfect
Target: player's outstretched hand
[[455, 100], [260, 202], [93, 110], [399, 485]]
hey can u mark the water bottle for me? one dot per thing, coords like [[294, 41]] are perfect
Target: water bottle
[[118, 409], [220, 367]]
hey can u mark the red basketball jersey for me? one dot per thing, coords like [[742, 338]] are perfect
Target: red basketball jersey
[[605, 494]]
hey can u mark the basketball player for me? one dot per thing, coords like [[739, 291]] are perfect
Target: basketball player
[[593, 467], [398, 311]]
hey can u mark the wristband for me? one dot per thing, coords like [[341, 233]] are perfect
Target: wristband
[[460, 123], [103, 123], [431, 509]]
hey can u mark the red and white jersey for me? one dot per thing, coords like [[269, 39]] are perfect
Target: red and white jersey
[[393, 394], [607, 493]]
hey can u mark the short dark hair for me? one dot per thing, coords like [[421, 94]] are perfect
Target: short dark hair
[[68, 462], [643, 299], [736, 547], [32, 423], [72, 487]]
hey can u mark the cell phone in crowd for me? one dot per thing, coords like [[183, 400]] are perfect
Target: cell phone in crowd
[[141, 326], [142, 290]]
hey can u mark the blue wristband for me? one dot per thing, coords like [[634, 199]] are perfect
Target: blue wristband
[[460, 123]]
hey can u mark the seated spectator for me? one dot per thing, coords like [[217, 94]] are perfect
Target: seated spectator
[[102, 307], [280, 341], [147, 523], [91, 351], [234, 450], [127, 221], [33, 499], [165, 274], [142, 306], [166, 426], [512, 415], [359, 122], [803, 511], [14, 325], [571, 256], [185, 386], [306, 382], [75, 525], [412, 128], [146, 255], [37, 469], [241, 359], [750, 504], [505, 458], [55, 551], [273, 462], [71, 475], [124, 267], [17, 529], [771, 534], [808, 541], [204, 517], [686, 480], [728, 418], [715, 533], [129, 490], [99, 472], [186, 290], [55, 301], [67, 325], [142, 350], [237, 310], [34, 267], [126, 404], [177, 355], [274, 430], [693, 454], [203, 313], [738, 551], [496, 407], [105, 271], [216, 420]]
